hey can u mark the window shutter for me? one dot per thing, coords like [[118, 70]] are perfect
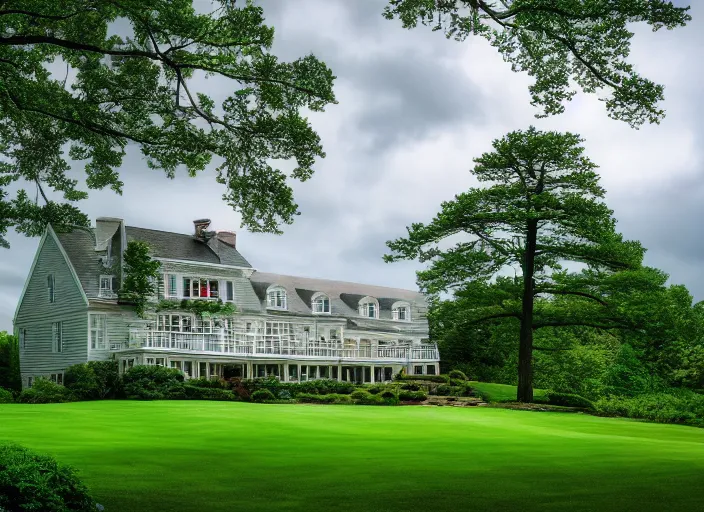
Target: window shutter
[[114, 284]]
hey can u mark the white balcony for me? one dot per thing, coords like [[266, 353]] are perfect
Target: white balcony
[[276, 346]]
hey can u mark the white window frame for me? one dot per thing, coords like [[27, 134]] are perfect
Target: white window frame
[[51, 287], [276, 298], [171, 291], [57, 337], [22, 335], [396, 309], [108, 292], [278, 329], [209, 291], [364, 308], [57, 378], [318, 304], [93, 331], [229, 285]]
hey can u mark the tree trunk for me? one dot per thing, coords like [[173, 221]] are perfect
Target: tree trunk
[[525, 347]]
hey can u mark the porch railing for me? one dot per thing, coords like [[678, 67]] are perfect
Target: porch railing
[[276, 346]]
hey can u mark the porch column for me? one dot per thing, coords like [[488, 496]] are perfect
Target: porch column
[[373, 368], [339, 372], [250, 369], [285, 372]]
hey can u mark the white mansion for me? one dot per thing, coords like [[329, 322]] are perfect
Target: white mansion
[[290, 327]]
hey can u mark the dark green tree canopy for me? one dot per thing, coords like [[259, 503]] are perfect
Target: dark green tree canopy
[[137, 88], [560, 43]]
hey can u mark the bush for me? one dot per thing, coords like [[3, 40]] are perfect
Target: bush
[[360, 394], [568, 400], [201, 393], [206, 383], [263, 395], [412, 396], [94, 380], [676, 407], [387, 393], [456, 374], [444, 390], [6, 396], [284, 394], [45, 392], [442, 379], [411, 386], [332, 398], [153, 383], [324, 387], [29, 481]]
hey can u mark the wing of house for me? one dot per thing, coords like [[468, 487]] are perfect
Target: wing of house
[[294, 328]]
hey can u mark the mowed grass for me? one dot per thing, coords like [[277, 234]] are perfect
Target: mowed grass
[[214, 456], [500, 392]]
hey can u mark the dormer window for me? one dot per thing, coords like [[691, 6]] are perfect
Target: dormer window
[[369, 307], [106, 287], [401, 311], [276, 298], [200, 288], [320, 304]]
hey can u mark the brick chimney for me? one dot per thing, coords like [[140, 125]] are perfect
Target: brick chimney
[[227, 237], [200, 226]]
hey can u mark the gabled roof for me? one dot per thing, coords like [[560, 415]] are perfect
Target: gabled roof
[[344, 296], [178, 246]]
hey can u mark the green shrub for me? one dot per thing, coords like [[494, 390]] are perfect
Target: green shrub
[[29, 481], [153, 383], [6, 396], [206, 383], [442, 379], [45, 392], [263, 395], [456, 374], [375, 389], [360, 394], [284, 394], [412, 396], [201, 393], [94, 380], [679, 406], [332, 398], [387, 393], [444, 390], [567, 400], [410, 386]]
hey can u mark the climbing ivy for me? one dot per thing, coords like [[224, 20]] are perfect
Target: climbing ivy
[[202, 308]]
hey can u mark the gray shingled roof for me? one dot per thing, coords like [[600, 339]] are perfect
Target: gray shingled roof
[[344, 296], [185, 247], [79, 245]]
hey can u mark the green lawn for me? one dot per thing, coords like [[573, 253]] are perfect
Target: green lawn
[[500, 392], [215, 456]]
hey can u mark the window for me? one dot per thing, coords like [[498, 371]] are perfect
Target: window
[[334, 334], [57, 378], [369, 307], [430, 369], [230, 288], [174, 323], [23, 338], [51, 285], [98, 332], [276, 298], [278, 328], [418, 370], [30, 381], [57, 342], [321, 303], [200, 288], [401, 311], [106, 286], [171, 290]]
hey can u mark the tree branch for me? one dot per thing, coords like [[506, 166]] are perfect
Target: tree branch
[[570, 292]]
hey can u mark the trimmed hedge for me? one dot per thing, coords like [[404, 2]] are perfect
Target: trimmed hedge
[[153, 383], [29, 481], [207, 383], [94, 380], [205, 393], [412, 396], [332, 398], [676, 407], [45, 392], [442, 379], [568, 400], [263, 395], [6, 396], [456, 374]]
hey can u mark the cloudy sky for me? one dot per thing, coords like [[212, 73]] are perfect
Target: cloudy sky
[[414, 109]]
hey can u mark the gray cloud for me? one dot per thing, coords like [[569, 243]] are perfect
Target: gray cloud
[[414, 110]]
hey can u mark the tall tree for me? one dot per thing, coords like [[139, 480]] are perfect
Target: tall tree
[[543, 209], [9, 362], [96, 76], [559, 42]]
